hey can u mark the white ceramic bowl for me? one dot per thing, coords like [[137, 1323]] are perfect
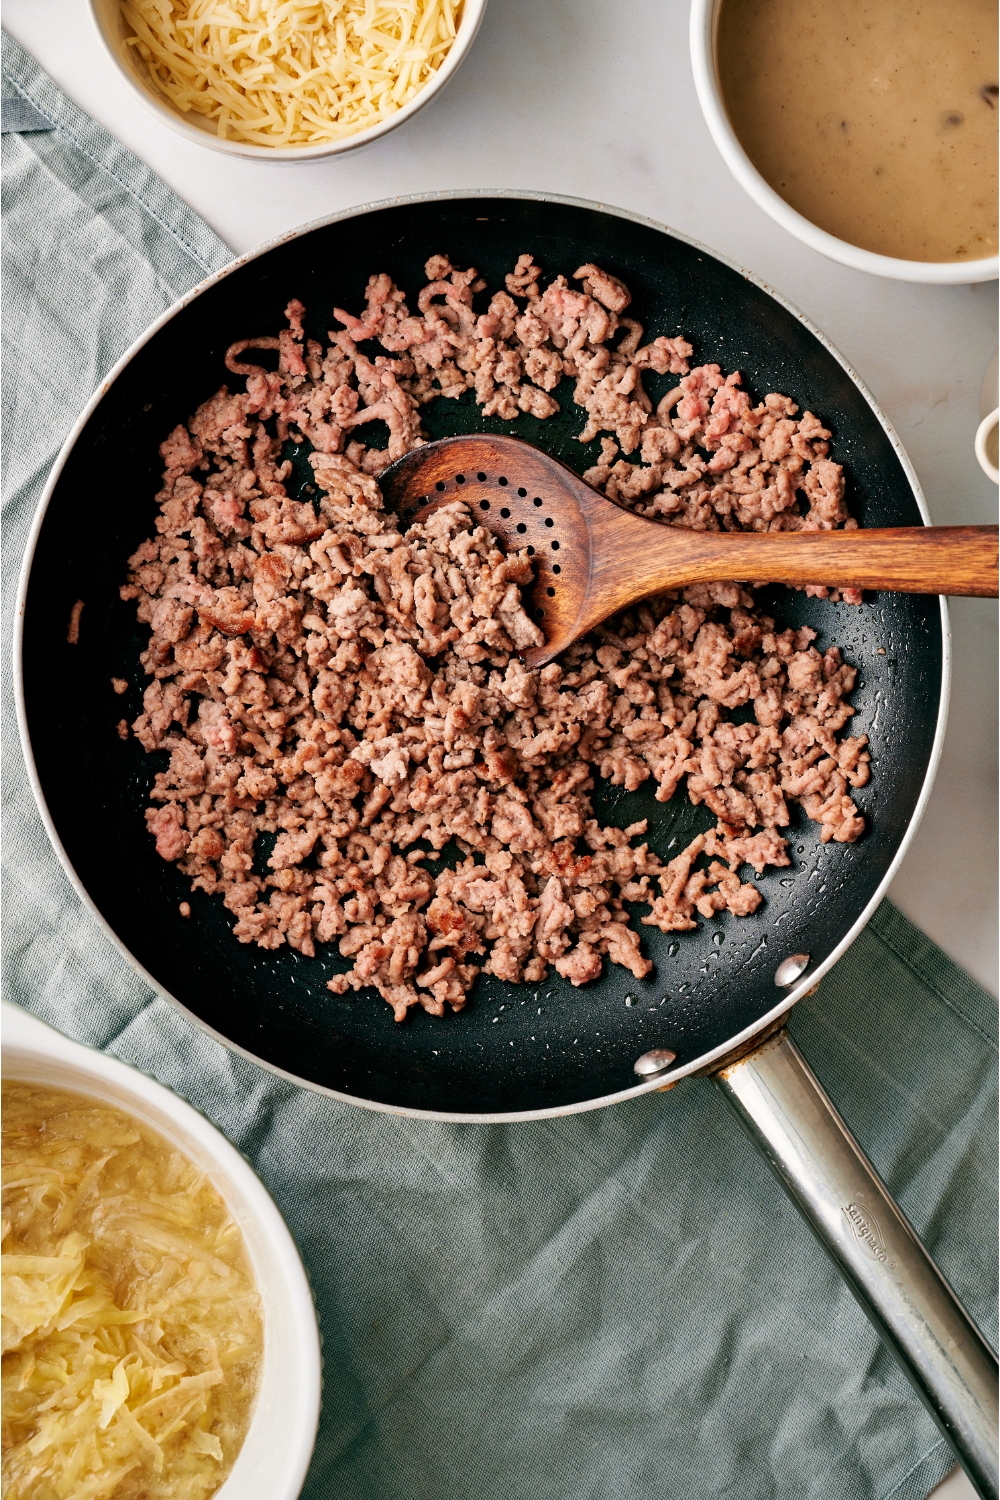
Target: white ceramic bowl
[[111, 28], [703, 29], [987, 445], [275, 1455]]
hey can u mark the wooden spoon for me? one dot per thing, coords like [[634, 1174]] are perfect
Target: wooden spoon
[[593, 557]]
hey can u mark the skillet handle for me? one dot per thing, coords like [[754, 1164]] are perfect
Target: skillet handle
[[836, 1188]]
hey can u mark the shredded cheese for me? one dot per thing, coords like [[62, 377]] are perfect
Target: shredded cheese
[[131, 1327], [291, 72]]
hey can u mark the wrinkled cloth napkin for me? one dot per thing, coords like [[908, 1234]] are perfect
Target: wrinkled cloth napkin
[[617, 1304]]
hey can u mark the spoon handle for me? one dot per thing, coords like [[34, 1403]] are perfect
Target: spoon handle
[[910, 559]]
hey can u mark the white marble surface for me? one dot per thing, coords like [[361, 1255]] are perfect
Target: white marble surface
[[595, 98], [955, 1487]]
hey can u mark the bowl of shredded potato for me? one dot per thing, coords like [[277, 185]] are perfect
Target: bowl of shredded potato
[[286, 80], [159, 1335]]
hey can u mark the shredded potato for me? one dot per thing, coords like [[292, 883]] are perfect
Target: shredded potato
[[132, 1336], [291, 72]]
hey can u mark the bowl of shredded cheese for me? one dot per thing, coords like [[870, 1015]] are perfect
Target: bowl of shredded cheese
[[159, 1336], [287, 80]]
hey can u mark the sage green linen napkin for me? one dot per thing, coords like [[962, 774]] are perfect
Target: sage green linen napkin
[[617, 1304]]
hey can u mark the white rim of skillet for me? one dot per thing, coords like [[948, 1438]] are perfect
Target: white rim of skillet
[[701, 36], [785, 1003], [468, 26]]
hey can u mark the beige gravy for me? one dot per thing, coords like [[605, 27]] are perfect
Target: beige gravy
[[876, 120]]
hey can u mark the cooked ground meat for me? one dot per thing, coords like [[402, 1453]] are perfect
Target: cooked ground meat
[[73, 628], [356, 692]]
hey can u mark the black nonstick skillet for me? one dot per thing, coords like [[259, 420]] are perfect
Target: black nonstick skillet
[[717, 997]]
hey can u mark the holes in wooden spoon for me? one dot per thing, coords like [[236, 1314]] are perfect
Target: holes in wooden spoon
[[553, 545], [481, 478], [505, 513], [501, 480], [537, 500], [521, 527], [531, 551], [556, 568], [459, 478], [551, 593], [522, 493], [484, 505], [549, 521], [440, 485]]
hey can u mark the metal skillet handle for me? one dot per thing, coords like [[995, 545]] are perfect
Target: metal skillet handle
[[786, 1110]]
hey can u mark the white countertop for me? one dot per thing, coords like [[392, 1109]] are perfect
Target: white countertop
[[553, 97], [594, 98]]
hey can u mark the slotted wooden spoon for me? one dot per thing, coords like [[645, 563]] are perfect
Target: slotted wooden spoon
[[593, 557]]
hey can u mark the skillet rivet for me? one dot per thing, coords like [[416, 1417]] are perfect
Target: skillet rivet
[[651, 1063], [790, 969]]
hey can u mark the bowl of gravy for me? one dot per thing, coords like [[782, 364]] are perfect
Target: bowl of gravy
[[869, 131]]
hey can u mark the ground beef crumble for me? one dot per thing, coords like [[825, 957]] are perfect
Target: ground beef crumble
[[356, 692]]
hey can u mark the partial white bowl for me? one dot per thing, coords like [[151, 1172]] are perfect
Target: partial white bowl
[[111, 28], [274, 1458], [987, 440], [703, 30]]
